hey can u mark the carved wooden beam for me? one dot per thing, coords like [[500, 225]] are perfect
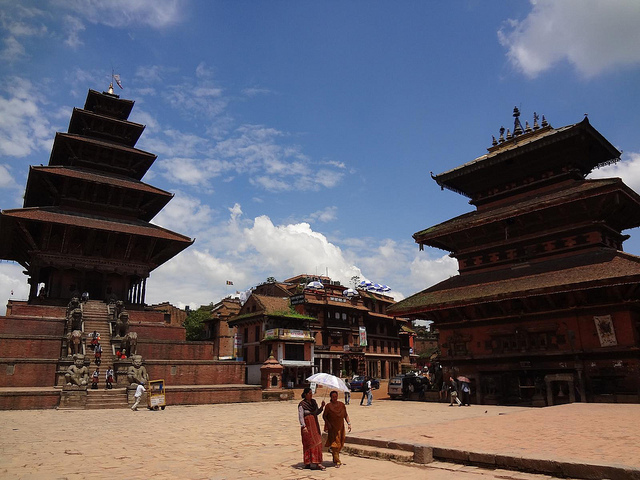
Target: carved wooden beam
[[27, 235]]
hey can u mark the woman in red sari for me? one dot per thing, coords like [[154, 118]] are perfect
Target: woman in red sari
[[308, 412]]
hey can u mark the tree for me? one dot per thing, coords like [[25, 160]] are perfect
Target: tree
[[271, 280], [194, 325], [355, 280]]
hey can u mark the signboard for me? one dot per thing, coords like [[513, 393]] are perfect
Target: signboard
[[297, 299], [363, 337], [295, 334], [606, 332]]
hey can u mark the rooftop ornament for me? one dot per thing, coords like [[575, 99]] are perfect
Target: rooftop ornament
[[518, 129]]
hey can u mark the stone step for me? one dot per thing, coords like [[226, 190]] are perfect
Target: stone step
[[101, 406], [367, 451]]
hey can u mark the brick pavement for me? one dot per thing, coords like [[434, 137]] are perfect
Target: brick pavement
[[262, 440]]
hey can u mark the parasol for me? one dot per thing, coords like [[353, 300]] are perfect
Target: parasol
[[464, 379], [330, 381]]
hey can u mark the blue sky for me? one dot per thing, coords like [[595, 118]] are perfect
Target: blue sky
[[298, 136]]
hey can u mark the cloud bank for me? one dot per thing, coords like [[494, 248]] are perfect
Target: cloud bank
[[592, 35]]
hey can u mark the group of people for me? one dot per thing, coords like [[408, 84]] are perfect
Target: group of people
[[367, 392], [334, 415], [108, 377], [96, 347]]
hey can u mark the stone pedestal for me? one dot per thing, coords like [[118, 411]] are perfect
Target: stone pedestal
[[73, 397]]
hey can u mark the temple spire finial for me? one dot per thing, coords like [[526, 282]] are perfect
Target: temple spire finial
[[517, 126]]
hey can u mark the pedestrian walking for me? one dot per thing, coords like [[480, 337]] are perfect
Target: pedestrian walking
[[95, 376], [366, 391], [465, 391], [97, 352], [138, 395], [453, 392], [335, 414], [308, 412], [347, 393]]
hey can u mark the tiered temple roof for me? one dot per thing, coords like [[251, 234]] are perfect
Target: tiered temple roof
[[85, 224]]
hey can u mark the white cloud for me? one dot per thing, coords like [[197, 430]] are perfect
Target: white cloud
[[184, 214], [155, 14], [254, 91], [248, 251], [593, 35], [73, 27], [24, 127], [628, 169], [327, 214], [12, 49], [6, 180], [12, 279]]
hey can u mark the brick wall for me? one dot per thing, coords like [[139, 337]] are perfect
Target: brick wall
[[146, 316], [192, 373], [29, 401], [158, 332], [31, 326], [33, 373], [203, 396], [20, 346], [24, 309], [175, 350]]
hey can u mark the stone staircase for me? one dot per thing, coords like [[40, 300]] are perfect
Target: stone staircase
[[115, 398], [95, 317]]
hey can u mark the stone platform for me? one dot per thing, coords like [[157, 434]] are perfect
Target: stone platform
[[35, 398]]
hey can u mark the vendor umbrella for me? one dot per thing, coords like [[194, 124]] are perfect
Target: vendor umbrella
[[330, 381], [464, 379]]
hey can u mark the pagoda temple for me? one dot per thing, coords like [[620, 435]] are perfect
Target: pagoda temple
[[546, 306], [85, 228], [84, 225]]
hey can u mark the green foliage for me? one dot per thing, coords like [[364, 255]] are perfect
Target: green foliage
[[194, 325], [271, 280]]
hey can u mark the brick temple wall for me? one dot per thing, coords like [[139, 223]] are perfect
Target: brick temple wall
[[196, 373], [209, 395], [172, 350]]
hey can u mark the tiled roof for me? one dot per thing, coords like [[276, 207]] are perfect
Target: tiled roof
[[578, 272], [562, 196], [272, 304], [108, 225], [105, 143], [100, 178]]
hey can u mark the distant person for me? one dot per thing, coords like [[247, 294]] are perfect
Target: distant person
[[109, 378], [95, 338], [95, 377], [308, 412], [347, 393], [453, 392], [138, 395], [465, 391], [366, 391], [335, 414], [85, 297], [97, 353]]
